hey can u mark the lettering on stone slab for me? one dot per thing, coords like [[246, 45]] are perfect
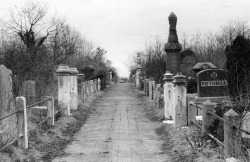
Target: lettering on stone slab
[[212, 83]]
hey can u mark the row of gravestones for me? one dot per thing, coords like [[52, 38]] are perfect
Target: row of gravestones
[[211, 85], [8, 126]]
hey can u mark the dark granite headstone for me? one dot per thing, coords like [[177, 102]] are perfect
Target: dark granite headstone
[[212, 83]]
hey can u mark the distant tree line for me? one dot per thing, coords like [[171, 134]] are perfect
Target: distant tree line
[[33, 44], [207, 47]]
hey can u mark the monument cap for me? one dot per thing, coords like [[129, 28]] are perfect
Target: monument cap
[[179, 79], [168, 76]]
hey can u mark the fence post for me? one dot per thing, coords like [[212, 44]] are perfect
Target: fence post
[[192, 110], [207, 119], [50, 111], [232, 135], [22, 125], [180, 96]]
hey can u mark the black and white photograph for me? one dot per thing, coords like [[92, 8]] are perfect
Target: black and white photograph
[[124, 81]]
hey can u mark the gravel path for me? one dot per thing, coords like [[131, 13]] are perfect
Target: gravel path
[[116, 132]]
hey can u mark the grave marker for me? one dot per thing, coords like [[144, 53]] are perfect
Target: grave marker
[[212, 83]]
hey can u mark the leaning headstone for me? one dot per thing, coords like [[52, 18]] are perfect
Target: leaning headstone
[[8, 126], [212, 83]]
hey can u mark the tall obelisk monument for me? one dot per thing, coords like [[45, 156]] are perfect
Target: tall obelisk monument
[[173, 47]]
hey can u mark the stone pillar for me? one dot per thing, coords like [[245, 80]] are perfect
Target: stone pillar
[[138, 75], [180, 113], [153, 89], [95, 83], [99, 84], [88, 88], [232, 135], [73, 88], [157, 95], [192, 110], [82, 92], [168, 96], [150, 90], [91, 86], [110, 76], [207, 119], [63, 72], [173, 47], [146, 87], [80, 87]]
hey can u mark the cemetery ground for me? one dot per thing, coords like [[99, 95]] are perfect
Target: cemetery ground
[[46, 142], [120, 125]]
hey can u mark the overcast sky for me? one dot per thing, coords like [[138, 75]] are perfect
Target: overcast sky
[[123, 27]]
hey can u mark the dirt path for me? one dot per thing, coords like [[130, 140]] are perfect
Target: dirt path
[[116, 132]]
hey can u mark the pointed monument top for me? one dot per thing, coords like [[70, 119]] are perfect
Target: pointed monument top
[[172, 21], [172, 14]]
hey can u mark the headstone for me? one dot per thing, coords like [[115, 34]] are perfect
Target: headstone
[[138, 74], [99, 84], [150, 90], [91, 86], [146, 87], [110, 76], [203, 66], [8, 126], [157, 95], [153, 89], [95, 85], [84, 91], [212, 83], [88, 88], [28, 91]]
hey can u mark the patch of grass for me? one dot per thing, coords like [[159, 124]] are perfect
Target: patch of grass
[[184, 144], [47, 142]]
